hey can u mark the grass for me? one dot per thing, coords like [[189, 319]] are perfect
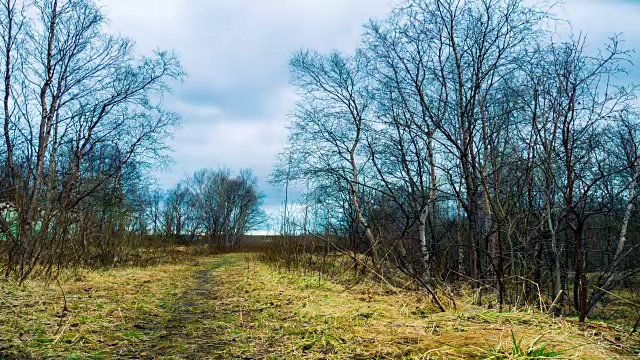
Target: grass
[[537, 350], [232, 306], [105, 311]]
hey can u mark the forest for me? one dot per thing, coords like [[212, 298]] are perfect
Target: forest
[[466, 178], [468, 141]]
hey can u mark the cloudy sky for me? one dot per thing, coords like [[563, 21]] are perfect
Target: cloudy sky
[[235, 101]]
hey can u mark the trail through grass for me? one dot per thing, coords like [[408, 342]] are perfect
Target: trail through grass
[[231, 306]]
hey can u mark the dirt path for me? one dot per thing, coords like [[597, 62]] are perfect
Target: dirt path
[[190, 332]]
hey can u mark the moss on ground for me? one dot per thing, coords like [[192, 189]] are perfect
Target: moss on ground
[[232, 306]]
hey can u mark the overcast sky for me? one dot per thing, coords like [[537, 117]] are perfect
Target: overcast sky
[[235, 101]]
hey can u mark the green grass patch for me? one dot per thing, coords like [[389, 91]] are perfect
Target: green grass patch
[[536, 350]]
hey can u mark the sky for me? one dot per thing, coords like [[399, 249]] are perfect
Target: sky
[[236, 99]]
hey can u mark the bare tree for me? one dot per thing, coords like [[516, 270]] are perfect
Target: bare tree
[[327, 131], [79, 108]]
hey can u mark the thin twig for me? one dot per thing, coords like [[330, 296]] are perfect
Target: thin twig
[[64, 297]]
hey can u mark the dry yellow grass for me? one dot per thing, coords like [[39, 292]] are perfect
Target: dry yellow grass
[[105, 310], [233, 306], [302, 317]]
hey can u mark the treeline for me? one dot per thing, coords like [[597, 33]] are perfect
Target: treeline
[[211, 207], [467, 141], [82, 122]]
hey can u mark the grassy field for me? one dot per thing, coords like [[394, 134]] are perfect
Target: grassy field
[[233, 306]]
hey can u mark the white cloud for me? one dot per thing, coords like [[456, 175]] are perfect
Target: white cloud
[[199, 111], [601, 19]]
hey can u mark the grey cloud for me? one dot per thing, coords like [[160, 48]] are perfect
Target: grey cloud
[[250, 100], [236, 54]]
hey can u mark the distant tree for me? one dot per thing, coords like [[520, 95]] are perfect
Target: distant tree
[[215, 206]]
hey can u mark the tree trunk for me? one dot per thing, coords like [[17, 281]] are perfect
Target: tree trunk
[[460, 244], [557, 285], [424, 245], [622, 239]]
